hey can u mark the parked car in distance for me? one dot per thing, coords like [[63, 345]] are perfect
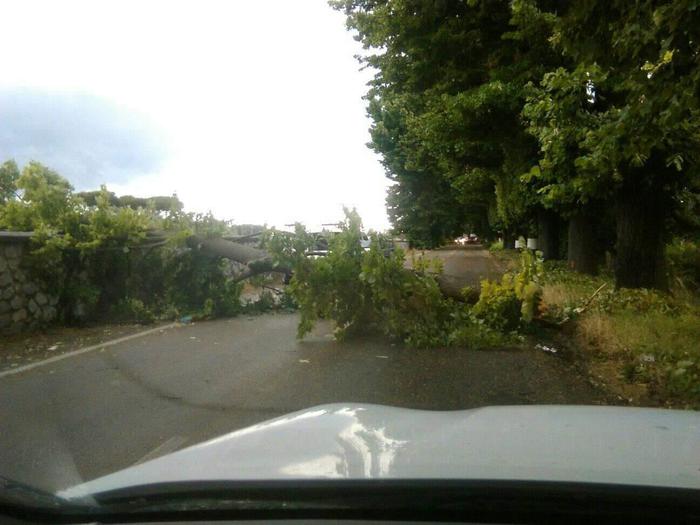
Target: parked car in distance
[[472, 238]]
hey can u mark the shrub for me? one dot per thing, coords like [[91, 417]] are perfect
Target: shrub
[[507, 305], [683, 257], [651, 334], [639, 300], [496, 246], [498, 306], [130, 309], [98, 260], [655, 347], [472, 333], [364, 291]]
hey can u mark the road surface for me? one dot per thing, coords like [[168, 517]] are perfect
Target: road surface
[[100, 411]]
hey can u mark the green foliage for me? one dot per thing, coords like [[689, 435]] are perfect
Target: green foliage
[[445, 104], [513, 302], [366, 291], [9, 173], [683, 258], [619, 122], [197, 284], [130, 309], [363, 290], [496, 246], [97, 256], [473, 333], [653, 334], [159, 203], [485, 112], [498, 305], [46, 201], [640, 301], [660, 350]]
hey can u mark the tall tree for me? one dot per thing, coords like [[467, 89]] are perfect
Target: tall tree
[[9, 173], [445, 104], [621, 122]]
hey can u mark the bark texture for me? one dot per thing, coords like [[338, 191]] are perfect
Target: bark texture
[[640, 218], [584, 251], [549, 226], [258, 261]]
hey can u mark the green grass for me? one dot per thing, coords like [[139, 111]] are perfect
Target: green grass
[[654, 336]]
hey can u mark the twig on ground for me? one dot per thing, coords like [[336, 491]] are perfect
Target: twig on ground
[[585, 306]]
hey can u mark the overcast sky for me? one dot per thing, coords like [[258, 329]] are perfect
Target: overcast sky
[[250, 109]]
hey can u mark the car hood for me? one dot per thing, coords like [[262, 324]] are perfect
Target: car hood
[[619, 445]]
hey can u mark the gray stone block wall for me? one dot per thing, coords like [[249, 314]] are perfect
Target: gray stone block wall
[[23, 303]]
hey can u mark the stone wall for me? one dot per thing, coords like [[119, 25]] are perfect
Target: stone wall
[[23, 303]]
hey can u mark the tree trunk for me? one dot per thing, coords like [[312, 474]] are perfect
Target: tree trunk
[[227, 249], [258, 261], [508, 239], [548, 224], [584, 253], [640, 218]]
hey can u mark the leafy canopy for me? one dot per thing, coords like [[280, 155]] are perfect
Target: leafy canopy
[[113, 260]]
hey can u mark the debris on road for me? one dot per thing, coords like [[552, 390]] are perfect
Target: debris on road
[[25, 348], [546, 348], [304, 361], [382, 356]]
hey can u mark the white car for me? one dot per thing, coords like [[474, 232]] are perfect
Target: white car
[[502, 464]]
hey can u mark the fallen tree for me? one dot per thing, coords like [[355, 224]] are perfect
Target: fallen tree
[[256, 260], [372, 290]]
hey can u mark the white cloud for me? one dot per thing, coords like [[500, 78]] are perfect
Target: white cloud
[[259, 102]]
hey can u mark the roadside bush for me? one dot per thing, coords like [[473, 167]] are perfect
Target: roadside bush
[[197, 284], [130, 309], [473, 333], [683, 257], [507, 305], [640, 300], [100, 262], [498, 306], [496, 246], [651, 335], [363, 291], [373, 291], [654, 348]]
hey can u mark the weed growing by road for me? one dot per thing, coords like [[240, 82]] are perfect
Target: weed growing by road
[[653, 335]]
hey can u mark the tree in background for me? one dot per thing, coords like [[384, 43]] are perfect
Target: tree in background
[[109, 257], [532, 112], [620, 125], [9, 173], [445, 104], [161, 203]]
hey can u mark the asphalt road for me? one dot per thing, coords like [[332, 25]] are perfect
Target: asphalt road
[[95, 413]]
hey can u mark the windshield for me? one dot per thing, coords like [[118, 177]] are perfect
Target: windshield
[[352, 240]]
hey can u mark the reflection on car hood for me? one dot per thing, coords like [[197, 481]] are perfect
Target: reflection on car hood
[[546, 443]]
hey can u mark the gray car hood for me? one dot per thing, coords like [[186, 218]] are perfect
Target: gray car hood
[[633, 446]]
